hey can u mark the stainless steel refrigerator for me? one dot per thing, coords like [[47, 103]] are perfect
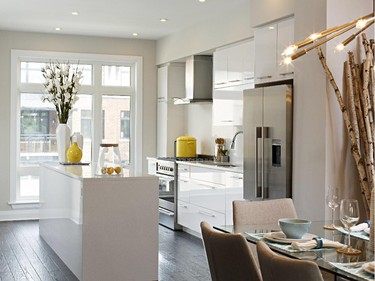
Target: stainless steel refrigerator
[[267, 126]]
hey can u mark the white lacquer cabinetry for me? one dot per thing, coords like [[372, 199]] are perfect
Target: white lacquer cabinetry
[[270, 41], [206, 194]]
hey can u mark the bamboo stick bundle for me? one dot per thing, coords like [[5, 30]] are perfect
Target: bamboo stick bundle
[[364, 184]]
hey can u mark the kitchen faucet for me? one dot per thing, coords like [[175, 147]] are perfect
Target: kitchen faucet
[[234, 138]]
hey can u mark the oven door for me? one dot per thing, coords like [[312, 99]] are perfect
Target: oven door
[[167, 192]]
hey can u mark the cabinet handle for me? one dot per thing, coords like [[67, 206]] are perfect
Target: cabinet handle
[[165, 212], [287, 73], [185, 181], [183, 169], [183, 206], [265, 77], [234, 81], [210, 186], [249, 78], [227, 121], [237, 178], [220, 83], [206, 214]]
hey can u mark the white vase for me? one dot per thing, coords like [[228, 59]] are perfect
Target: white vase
[[63, 141]]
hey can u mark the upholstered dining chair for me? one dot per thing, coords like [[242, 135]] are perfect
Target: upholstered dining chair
[[275, 267], [229, 257], [262, 212]]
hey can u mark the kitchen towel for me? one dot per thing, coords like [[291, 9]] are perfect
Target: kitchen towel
[[362, 226]]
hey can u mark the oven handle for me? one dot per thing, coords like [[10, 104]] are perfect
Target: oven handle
[[167, 178], [165, 212]]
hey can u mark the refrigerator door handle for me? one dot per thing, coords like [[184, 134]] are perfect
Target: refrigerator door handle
[[265, 135], [258, 188]]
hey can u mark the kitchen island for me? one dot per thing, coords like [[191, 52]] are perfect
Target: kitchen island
[[102, 227]]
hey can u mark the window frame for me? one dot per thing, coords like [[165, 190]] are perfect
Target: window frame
[[96, 90]]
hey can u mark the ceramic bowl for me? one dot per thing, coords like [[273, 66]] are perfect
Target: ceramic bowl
[[294, 228]]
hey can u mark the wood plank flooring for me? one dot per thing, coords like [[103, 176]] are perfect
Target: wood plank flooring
[[25, 256]]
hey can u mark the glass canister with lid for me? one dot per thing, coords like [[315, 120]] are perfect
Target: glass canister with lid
[[109, 161]]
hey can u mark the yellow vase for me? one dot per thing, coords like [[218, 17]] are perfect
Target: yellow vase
[[74, 153]]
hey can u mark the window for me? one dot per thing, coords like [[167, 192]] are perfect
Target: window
[[103, 113]]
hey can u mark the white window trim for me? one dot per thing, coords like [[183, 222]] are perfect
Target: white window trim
[[137, 113]]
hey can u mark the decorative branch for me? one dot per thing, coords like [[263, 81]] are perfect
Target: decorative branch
[[365, 189]]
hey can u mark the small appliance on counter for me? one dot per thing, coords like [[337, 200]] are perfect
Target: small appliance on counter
[[221, 153], [186, 147]]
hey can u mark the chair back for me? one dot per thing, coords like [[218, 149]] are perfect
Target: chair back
[[262, 212], [275, 267], [229, 256]]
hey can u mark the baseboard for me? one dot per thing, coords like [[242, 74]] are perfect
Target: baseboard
[[16, 215]]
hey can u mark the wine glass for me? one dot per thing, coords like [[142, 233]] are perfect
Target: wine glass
[[349, 216], [332, 200]]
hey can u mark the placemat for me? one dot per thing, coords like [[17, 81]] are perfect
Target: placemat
[[354, 271], [357, 234]]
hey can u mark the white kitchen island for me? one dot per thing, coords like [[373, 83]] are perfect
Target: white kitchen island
[[102, 227]]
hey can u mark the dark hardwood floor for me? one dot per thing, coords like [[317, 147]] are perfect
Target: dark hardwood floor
[[25, 256]]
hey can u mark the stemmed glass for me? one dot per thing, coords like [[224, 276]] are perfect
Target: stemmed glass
[[349, 216], [332, 200]]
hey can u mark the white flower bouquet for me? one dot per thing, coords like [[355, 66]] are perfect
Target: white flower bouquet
[[62, 83]]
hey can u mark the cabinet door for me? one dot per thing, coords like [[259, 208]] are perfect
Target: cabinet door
[[220, 68], [233, 191], [161, 127], [235, 64], [248, 61], [208, 195], [265, 50], [227, 106], [285, 38]]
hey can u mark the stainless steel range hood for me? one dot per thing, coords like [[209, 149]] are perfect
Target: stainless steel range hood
[[198, 80]]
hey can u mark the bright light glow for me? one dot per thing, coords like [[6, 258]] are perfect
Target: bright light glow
[[135, 34], [287, 60], [361, 24], [315, 36], [340, 47], [289, 50], [58, 28], [202, 1], [163, 19], [271, 28], [75, 13]]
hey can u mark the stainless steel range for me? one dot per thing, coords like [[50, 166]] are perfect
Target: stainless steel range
[[166, 170]]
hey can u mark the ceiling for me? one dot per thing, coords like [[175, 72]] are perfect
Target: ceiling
[[110, 18]]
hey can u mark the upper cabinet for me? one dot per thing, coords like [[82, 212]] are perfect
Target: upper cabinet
[[270, 42], [234, 65]]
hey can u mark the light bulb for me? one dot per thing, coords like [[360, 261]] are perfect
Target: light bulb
[[287, 60], [289, 50], [314, 36], [361, 24], [340, 47]]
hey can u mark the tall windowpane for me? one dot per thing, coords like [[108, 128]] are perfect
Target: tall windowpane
[[113, 75], [114, 108], [125, 124]]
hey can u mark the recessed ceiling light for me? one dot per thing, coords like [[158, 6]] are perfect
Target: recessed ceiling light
[[57, 28], [163, 19], [135, 34], [202, 1], [75, 13]]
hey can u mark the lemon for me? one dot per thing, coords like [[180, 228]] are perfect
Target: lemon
[[118, 170], [104, 170], [110, 170]]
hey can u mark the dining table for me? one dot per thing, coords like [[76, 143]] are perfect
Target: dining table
[[341, 266]]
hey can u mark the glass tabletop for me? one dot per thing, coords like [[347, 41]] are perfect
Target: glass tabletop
[[348, 266]]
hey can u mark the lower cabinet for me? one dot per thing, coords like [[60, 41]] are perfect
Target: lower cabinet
[[206, 195], [190, 216]]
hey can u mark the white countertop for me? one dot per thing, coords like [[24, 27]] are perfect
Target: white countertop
[[214, 165], [82, 171]]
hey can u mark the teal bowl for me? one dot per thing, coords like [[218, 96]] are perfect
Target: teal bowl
[[294, 228]]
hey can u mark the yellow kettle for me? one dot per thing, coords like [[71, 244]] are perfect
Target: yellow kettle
[[186, 146]]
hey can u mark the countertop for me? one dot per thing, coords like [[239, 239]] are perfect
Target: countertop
[[82, 171], [214, 165]]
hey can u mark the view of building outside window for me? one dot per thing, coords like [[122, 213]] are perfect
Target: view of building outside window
[[38, 121]]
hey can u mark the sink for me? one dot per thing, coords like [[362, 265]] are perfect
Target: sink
[[219, 164]]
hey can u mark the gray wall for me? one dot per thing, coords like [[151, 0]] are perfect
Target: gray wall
[[77, 44]]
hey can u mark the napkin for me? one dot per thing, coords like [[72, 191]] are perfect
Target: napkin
[[325, 243], [361, 226], [371, 266]]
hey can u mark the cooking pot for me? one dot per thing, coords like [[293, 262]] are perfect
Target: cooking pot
[[186, 146]]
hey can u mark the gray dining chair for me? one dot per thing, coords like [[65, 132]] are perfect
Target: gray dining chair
[[275, 267], [229, 257], [262, 212]]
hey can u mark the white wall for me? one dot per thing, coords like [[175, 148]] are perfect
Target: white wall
[[77, 44]]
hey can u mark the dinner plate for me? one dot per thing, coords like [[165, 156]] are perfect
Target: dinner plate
[[367, 230], [280, 237], [369, 267]]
